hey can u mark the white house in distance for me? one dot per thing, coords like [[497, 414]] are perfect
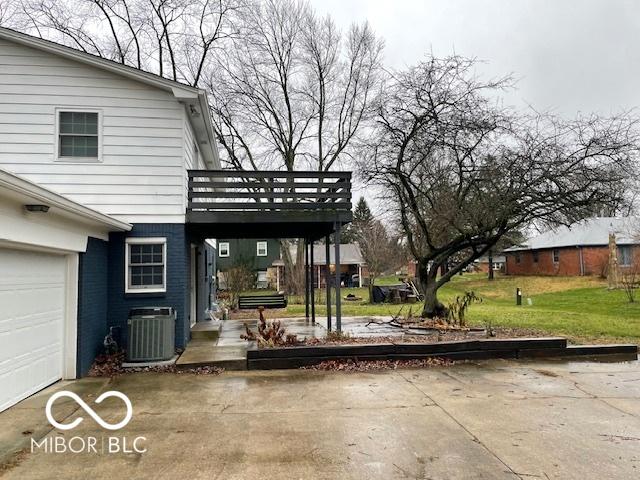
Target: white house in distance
[[93, 192]]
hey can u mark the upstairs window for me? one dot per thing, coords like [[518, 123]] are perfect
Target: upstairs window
[[146, 265], [223, 249], [261, 249], [556, 255], [78, 136]]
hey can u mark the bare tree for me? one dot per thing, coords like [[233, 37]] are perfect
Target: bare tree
[[173, 38], [237, 279], [380, 251], [630, 280], [465, 172], [292, 92]]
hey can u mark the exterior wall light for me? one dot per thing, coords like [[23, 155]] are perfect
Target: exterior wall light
[[37, 208]]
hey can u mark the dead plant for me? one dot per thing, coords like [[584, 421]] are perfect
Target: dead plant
[[270, 334]]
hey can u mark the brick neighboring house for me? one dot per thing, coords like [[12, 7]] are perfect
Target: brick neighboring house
[[353, 269], [482, 264], [581, 249]]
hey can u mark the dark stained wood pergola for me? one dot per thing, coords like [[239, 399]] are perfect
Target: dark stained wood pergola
[[275, 204]]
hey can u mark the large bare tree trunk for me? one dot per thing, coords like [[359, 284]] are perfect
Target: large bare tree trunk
[[432, 306]]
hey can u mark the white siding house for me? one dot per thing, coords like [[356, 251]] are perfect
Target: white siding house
[[93, 194], [149, 130]]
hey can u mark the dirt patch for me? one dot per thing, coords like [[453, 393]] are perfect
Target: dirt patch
[[373, 365], [111, 366]]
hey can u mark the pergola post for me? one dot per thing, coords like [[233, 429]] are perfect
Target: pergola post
[[337, 264], [327, 278], [311, 284], [306, 279]]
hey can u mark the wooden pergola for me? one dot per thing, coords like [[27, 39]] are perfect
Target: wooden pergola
[[275, 204]]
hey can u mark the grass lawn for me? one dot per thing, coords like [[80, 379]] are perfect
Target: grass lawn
[[580, 308]]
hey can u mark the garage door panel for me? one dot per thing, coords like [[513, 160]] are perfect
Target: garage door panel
[[32, 293]]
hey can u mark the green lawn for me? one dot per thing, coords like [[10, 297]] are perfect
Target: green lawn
[[578, 307]]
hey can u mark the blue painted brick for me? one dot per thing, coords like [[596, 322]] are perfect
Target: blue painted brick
[[178, 277], [92, 302]]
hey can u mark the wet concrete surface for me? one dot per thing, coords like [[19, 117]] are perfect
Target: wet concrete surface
[[489, 420], [372, 326]]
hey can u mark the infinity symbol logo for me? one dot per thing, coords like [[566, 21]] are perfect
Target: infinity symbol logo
[[89, 410]]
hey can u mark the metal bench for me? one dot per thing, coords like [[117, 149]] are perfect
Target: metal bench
[[251, 302]]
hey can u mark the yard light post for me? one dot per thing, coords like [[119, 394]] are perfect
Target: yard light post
[[518, 296]]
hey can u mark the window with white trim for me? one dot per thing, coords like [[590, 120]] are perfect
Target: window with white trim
[[556, 255], [261, 249], [223, 249], [146, 265], [78, 135]]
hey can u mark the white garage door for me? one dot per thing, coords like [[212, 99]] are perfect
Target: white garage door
[[32, 306]]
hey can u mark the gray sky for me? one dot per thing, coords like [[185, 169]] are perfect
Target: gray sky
[[569, 55]]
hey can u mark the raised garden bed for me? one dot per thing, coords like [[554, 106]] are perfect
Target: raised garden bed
[[472, 349]]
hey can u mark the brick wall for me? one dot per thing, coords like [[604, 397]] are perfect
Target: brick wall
[[178, 279], [594, 260], [568, 264], [92, 303]]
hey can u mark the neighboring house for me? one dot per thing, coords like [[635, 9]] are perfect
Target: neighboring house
[[581, 249], [107, 148], [353, 269], [257, 254], [498, 264]]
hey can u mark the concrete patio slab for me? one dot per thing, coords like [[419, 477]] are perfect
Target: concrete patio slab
[[490, 420], [204, 353], [206, 330]]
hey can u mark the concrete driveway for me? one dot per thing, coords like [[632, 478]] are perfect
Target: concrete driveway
[[493, 420]]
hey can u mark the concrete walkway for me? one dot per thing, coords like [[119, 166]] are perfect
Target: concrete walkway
[[490, 420]]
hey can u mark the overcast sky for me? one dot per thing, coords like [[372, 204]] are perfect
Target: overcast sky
[[569, 55]]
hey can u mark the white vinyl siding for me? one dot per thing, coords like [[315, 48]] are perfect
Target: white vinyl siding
[[140, 178]]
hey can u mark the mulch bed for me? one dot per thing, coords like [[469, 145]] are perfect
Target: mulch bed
[[111, 366], [374, 365]]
